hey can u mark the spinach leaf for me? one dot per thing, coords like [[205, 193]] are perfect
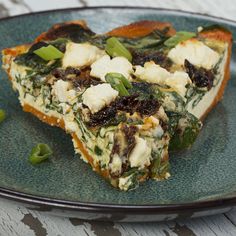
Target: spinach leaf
[[134, 174], [98, 151], [184, 130], [74, 32], [159, 167], [195, 95], [174, 118], [173, 101]]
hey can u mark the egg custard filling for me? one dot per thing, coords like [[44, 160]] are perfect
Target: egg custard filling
[[126, 101]]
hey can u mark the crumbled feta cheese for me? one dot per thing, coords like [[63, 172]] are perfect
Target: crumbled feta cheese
[[106, 65], [97, 97], [158, 132], [178, 81], [116, 164], [141, 154], [71, 126], [195, 52], [39, 101], [62, 89], [71, 96], [161, 114], [125, 182], [153, 73], [65, 107], [17, 70], [169, 102], [81, 54], [199, 29]]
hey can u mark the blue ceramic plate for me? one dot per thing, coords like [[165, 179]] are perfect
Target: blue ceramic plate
[[203, 178]]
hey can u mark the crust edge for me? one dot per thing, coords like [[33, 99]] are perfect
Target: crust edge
[[223, 36], [53, 121], [140, 29]]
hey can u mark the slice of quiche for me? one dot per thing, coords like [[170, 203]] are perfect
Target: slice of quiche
[[126, 96]]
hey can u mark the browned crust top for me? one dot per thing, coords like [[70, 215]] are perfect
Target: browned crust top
[[141, 29], [48, 35]]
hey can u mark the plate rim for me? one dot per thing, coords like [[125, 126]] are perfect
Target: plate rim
[[149, 209]]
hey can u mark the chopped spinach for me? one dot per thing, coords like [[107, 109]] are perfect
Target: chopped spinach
[[159, 167], [175, 99], [74, 32], [98, 151], [134, 174], [173, 122], [195, 95], [99, 41], [184, 129], [60, 44]]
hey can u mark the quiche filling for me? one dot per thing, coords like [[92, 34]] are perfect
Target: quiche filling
[[126, 112]]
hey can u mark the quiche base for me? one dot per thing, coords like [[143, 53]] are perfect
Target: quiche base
[[133, 30], [137, 29]]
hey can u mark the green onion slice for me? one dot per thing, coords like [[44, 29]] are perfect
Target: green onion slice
[[119, 83], [49, 53], [40, 153], [121, 89], [178, 38], [2, 115], [120, 77], [115, 48]]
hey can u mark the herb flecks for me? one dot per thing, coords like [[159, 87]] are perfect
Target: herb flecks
[[98, 151]]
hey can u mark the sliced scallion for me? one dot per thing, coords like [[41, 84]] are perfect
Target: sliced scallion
[[178, 38], [2, 115], [115, 48], [121, 89], [49, 53], [121, 77], [119, 83], [40, 153]]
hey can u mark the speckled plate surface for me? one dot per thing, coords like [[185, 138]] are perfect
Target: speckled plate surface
[[203, 178]]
